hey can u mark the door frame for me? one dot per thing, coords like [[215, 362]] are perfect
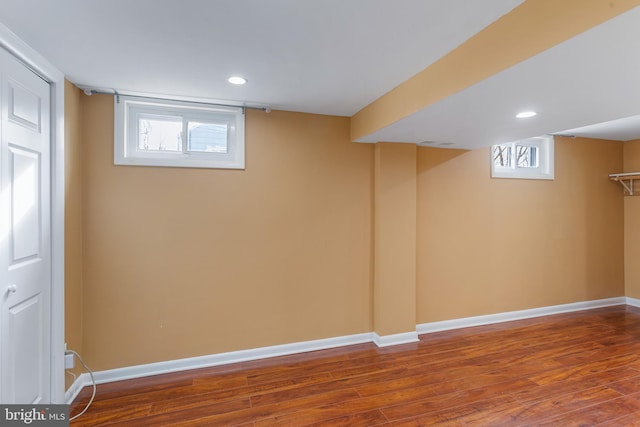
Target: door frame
[[34, 61]]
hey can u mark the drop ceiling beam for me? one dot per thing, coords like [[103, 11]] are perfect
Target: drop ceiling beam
[[529, 29]]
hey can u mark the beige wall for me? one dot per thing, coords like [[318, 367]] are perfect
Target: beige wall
[[495, 245], [189, 262], [73, 220], [166, 263], [632, 224], [394, 286]]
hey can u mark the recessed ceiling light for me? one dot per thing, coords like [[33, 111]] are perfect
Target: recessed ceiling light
[[526, 114], [237, 80]]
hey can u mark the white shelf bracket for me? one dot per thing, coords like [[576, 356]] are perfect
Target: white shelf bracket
[[627, 181]]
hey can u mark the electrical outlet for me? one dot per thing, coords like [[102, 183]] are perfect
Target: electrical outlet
[[69, 360]]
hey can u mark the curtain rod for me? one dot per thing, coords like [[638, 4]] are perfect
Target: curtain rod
[[90, 91]]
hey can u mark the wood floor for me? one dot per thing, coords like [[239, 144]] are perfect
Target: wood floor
[[579, 368]]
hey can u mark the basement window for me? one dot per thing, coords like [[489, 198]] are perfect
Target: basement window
[[526, 159], [160, 132]]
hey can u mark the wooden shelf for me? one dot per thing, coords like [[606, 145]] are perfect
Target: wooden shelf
[[627, 180]]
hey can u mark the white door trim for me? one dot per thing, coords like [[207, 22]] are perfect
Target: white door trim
[[32, 59]]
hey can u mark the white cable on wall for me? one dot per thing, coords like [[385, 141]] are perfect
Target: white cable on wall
[[93, 381]]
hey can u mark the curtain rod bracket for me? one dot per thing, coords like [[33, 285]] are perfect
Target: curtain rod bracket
[[90, 91]]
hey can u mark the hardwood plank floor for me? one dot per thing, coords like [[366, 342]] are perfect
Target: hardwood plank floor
[[579, 368]]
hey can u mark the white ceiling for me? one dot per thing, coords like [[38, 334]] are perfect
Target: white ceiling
[[337, 56], [589, 80]]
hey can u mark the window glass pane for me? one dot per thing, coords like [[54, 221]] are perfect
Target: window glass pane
[[526, 156], [530, 158], [159, 133], [208, 137], [502, 155]]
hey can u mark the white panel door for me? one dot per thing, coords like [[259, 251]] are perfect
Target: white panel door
[[25, 235]]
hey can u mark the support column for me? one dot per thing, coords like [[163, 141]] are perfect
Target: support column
[[394, 288]]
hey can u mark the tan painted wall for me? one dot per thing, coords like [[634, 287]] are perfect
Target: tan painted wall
[[495, 245], [73, 220], [394, 289], [188, 262], [632, 224]]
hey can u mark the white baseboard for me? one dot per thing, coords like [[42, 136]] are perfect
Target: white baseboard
[[77, 386], [138, 371], [445, 325], [395, 339], [633, 302], [177, 365]]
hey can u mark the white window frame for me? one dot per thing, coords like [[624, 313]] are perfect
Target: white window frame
[[545, 168], [126, 152]]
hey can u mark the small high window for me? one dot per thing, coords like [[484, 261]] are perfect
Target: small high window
[[527, 159], [158, 132]]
